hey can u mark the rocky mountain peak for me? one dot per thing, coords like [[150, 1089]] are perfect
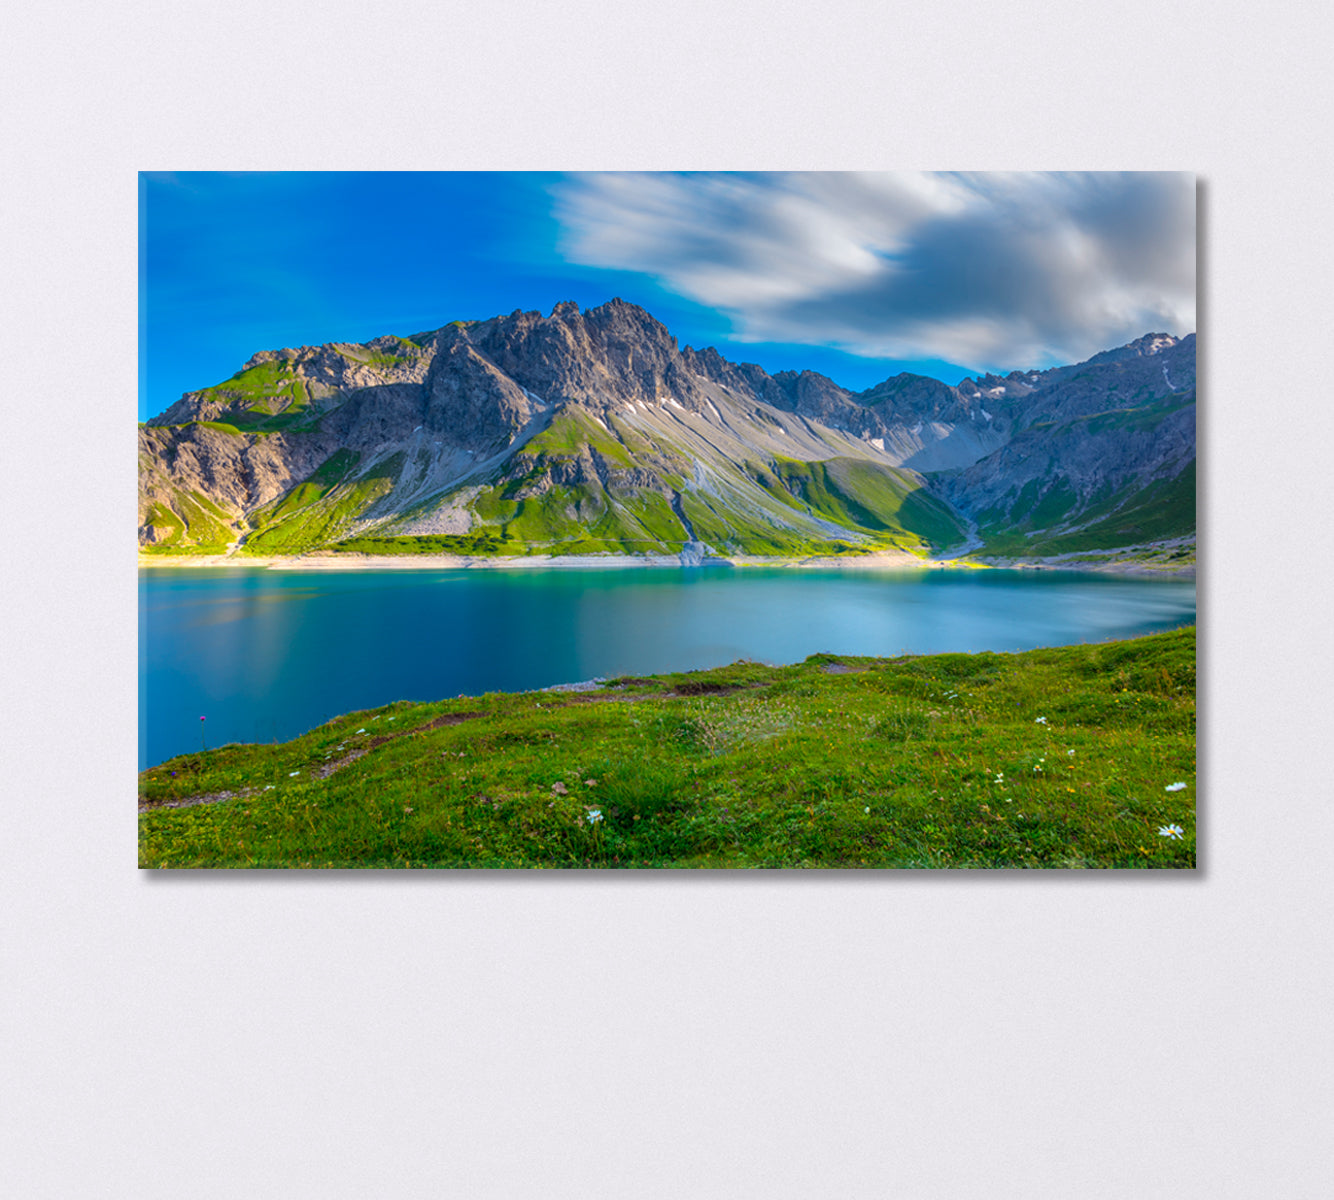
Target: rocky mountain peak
[[1154, 343], [1142, 347], [907, 396], [607, 355], [811, 394], [618, 319]]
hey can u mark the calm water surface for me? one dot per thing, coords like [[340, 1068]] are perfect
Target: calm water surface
[[270, 654]]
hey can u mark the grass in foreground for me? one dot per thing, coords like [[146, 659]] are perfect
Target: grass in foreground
[[1061, 757]]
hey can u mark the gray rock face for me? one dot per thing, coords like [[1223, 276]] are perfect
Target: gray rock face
[[810, 394], [613, 354], [472, 402]]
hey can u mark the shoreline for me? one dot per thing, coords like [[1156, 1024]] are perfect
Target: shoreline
[[463, 562], [886, 561]]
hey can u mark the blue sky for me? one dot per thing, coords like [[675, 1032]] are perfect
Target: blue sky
[[856, 275]]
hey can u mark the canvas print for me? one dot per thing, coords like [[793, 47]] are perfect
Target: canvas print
[[667, 520]]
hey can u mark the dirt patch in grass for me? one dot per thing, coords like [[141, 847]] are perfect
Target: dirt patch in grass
[[617, 698], [202, 798], [706, 687], [685, 689], [323, 771], [440, 722], [339, 763]]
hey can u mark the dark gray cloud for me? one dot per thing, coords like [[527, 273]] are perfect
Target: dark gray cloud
[[984, 270]]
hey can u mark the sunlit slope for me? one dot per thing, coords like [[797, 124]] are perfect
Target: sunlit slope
[[656, 479]]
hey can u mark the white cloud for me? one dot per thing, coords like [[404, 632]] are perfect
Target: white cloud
[[987, 269]]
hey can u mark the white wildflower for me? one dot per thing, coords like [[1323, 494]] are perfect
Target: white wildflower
[[291, 773], [594, 815], [1171, 831], [1175, 787], [1039, 720]]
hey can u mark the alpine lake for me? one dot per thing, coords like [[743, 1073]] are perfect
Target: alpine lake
[[264, 655]]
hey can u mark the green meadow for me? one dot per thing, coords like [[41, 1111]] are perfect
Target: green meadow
[[1070, 757]]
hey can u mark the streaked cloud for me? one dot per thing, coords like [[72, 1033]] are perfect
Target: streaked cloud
[[983, 270]]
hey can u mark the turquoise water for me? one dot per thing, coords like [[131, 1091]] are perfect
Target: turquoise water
[[266, 655]]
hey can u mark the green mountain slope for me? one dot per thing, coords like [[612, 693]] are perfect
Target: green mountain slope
[[584, 486], [1094, 482]]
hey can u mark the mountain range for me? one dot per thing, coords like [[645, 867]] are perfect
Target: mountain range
[[592, 431]]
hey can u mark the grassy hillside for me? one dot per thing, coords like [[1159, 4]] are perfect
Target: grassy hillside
[[1064, 757], [871, 498], [1163, 510], [320, 509], [584, 484], [638, 497], [1051, 514], [190, 523], [268, 397]]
